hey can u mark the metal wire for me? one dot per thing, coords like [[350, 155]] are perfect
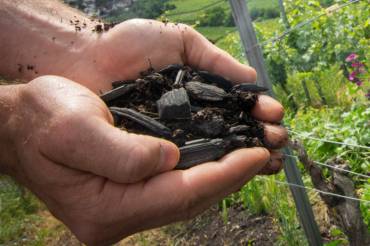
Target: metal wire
[[333, 167], [296, 27], [328, 141], [317, 190]]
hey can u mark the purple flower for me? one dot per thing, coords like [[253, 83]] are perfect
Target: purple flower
[[351, 57], [359, 82], [357, 64], [352, 76]]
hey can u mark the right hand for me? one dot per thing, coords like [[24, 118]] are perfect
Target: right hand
[[104, 183]]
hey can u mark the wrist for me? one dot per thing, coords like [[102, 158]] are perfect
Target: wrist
[[9, 97]]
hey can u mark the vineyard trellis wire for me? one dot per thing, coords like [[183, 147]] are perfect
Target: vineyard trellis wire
[[333, 167], [314, 189], [328, 141]]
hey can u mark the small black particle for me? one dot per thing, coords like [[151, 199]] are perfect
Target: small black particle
[[98, 28], [30, 67], [20, 68], [53, 38]]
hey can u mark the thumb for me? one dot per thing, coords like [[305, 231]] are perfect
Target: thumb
[[202, 54], [95, 146]]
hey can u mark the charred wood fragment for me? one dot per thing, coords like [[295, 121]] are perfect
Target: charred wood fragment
[[142, 120], [174, 105], [201, 91]]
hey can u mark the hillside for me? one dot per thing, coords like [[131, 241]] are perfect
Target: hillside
[[185, 10]]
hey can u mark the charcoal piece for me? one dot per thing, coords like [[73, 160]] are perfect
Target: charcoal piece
[[155, 78], [119, 83], [216, 79], [170, 69], [118, 92], [195, 109], [210, 128], [240, 129], [246, 100], [180, 77], [174, 105], [197, 153], [197, 141], [143, 120], [201, 91], [237, 141], [249, 87]]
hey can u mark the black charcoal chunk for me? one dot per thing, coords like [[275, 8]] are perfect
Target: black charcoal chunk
[[216, 79], [240, 129], [142, 120], [210, 128], [118, 92], [170, 69], [237, 141], [249, 87], [200, 152], [119, 83], [201, 91], [174, 105]]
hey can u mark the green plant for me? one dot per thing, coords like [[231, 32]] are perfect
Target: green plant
[[150, 9], [213, 17], [17, 211]]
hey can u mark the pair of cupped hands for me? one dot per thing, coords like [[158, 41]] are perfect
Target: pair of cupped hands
[[104, 183]]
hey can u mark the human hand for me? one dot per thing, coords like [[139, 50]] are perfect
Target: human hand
[[103, 183], [135, 45]]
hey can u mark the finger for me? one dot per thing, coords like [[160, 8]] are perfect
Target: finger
[[274, 165], [180, 195], [268, 109], [95, 146], [202, 54], [276, 136]]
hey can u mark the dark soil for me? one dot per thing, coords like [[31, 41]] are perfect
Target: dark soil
[[182, 105], [240, 228]]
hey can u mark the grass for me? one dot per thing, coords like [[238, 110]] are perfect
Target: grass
[[216, 33], [190, 5], [17, 211]]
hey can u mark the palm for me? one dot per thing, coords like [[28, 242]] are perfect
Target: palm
[[134, 46]]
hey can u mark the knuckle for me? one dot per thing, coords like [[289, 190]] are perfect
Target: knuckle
[[62, 132], [141, 160]]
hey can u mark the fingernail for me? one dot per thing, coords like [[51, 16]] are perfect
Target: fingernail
[[169, 155]]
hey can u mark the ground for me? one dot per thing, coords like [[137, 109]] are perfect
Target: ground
[[209, 228]]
